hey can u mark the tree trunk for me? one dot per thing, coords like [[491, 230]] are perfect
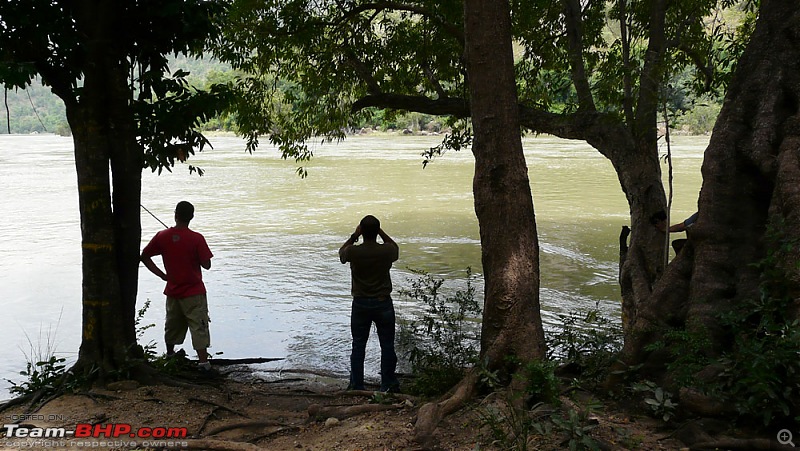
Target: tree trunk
[[103, 134], [751, 174], [512, 323], [639, 173], [503, 202]]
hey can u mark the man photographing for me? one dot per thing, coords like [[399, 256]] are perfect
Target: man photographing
[[184, 253], [372, 301]]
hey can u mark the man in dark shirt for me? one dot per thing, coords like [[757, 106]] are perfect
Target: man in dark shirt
[[372, 302]]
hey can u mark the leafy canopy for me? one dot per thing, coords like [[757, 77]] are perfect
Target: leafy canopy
[[317, 67], [49, 38]]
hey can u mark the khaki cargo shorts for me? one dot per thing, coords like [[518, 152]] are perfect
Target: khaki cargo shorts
[[187, 313]]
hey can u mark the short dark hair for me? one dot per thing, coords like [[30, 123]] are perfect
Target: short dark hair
[[184, 211], [369, 227]]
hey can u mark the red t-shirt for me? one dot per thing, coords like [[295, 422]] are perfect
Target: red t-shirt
[[182, 251]]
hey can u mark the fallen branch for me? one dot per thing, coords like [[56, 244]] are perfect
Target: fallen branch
[[319, 412], [247, 424]]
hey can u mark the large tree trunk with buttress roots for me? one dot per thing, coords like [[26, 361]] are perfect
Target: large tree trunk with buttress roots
[[512, 324], [751, 177]]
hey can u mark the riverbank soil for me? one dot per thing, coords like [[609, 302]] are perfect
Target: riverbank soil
[[294, 411]]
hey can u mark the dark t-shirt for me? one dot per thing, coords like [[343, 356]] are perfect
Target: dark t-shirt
[[369, 268], [182, 251]]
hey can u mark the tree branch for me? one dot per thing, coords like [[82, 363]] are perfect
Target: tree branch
[[700, 63], [420, 104], [396, 6], [651, 78], [572, 17], [364, 73], [627, 84], [593, 127], [434, 81]]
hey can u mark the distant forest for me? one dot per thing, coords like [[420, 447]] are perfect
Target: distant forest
[[37, 110]]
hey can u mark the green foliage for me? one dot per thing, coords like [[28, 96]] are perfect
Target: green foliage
[[687, 349], [444, 339], [700, 118], [149, 348], [541, 383], [587, 339], [166, 110], [511, 428], [658, 400], [577, 427], [318, 68], [44, 375], [459, 138], [33, 110], [761, 373]]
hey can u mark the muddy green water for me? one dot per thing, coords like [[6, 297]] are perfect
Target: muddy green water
[[276, 288]]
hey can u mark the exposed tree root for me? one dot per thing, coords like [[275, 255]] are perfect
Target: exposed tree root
[[369, 394], [211, 414], [246, 424], [275, 432], [16, 401], [431, 414], [94, 396], [319, 412], [219, 406]]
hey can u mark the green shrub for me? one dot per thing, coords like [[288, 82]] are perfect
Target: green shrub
[[761, 373], [444, 339], [587, 339], [541, 383], [700, 119]]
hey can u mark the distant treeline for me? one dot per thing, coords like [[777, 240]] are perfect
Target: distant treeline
[[37, 110]]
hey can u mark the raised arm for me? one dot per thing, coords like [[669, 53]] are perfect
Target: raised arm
[[385, 237], [350, 241], [387, 240]]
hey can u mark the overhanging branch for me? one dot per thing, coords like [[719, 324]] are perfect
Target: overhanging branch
[[593, 127]]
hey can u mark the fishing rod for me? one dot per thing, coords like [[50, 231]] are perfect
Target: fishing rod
[[151, 214]]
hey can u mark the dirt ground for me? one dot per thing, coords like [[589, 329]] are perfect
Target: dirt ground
[[232, 412]]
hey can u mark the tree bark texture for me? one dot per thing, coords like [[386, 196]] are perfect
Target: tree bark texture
[[104, 136], [512, 324], [751, 174], [503, 202]]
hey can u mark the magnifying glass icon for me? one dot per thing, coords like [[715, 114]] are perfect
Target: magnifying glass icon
[[785, 437]]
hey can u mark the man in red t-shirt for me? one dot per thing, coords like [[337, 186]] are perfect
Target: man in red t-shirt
[[184, 252]]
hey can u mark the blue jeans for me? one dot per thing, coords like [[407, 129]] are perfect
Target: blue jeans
[[365, 311]]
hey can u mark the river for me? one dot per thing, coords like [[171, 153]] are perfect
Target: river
[[276, 288]]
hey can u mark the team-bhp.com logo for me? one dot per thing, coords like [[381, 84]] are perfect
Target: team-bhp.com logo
[[85, 430]]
